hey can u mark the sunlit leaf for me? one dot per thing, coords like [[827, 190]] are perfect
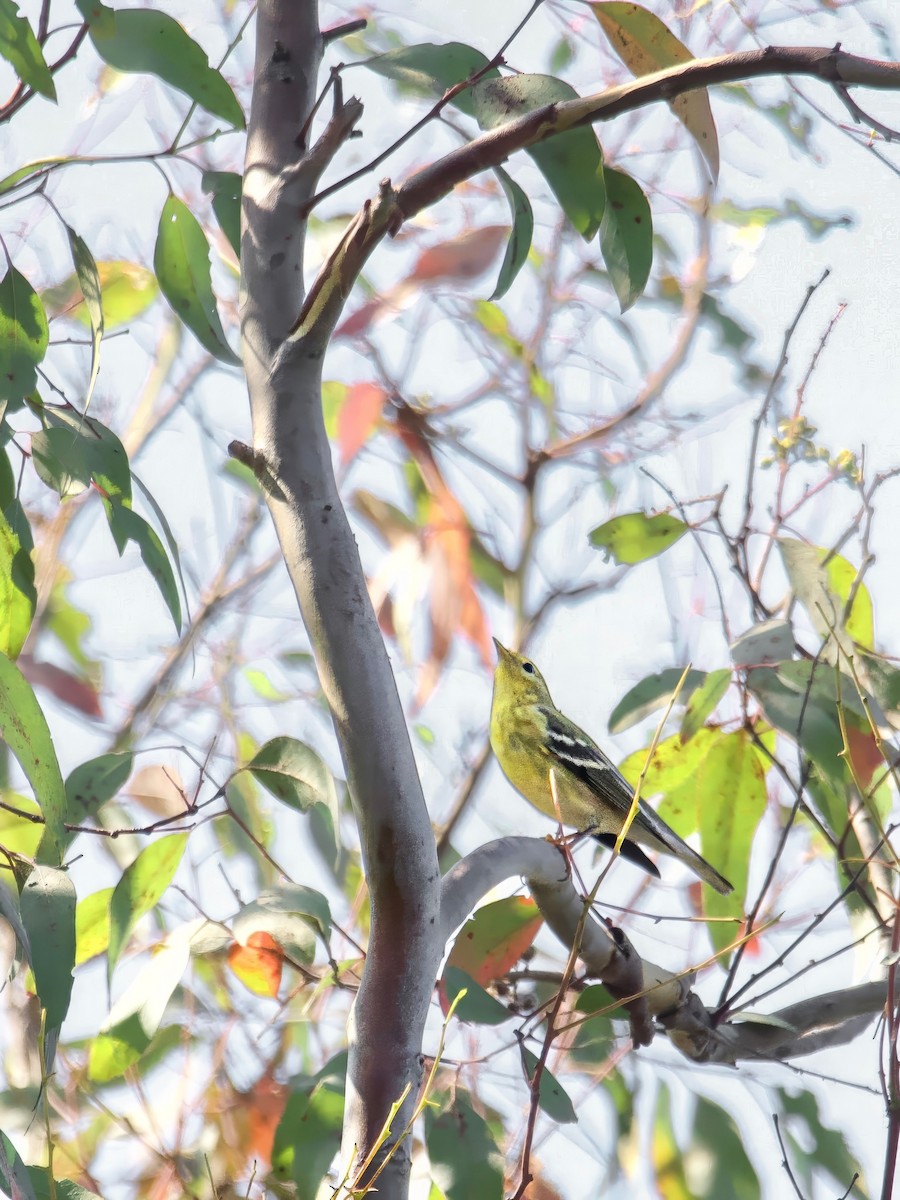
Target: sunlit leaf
[[824, 585], [645, 45], [136, 1016], [24, 728], [309, 1133], [24, 335], [295, 775], [181, 262], [147, 40], [635, 537], [23, 52], [140, 888], [18, 596], [257, 963], [358, 417], [127, 290], [572, 163], [494, 939], [626, 236], [520, 235], [704, 701], [92, 925]]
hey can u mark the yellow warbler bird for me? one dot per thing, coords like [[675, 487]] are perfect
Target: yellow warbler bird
[[531, 738]]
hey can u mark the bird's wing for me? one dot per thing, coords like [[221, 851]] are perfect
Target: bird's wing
[[586, 761]]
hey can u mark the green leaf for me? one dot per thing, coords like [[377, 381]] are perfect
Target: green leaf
[[593, 1039], [13, 1172], [94, 783], [144, 40], [226, 201], [24, 728], [731, 1175], [520, 235], [495, 937], [181, 262], [292, 914], [23, 52], [465, 1159], [92, 925], [140, 889], [429, 69], [824, 589], [61, 460], [552, 1096], [101, 450], [295, 775], [128, 526], [135, 1017], [731, 789], [89, 282], [24, 335], [626, 236], [704, 700], [167, 534], [645, 45], [63, 1189], [635, 537], [48, 914], [769, 642], [309, 1132], [790, 704], [651, 695], [18, 596], [478, 1005], [572, 163]]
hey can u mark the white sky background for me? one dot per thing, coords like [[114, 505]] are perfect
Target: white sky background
[[663, 613]]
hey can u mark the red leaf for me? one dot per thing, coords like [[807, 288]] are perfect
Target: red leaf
[[78, 693], [865, 757], [465, 257], [494, 939], [358, 416]]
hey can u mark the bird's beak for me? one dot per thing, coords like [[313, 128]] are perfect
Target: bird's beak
[[502, 651]]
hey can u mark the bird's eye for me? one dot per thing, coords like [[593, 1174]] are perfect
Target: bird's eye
[[527, 667]]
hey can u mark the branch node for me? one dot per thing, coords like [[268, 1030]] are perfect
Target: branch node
[[256, 461]]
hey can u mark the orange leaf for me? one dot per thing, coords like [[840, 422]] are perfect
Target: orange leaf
[[266, 1102], [865, 757], [358, 416], [258, 964], [464, 257]]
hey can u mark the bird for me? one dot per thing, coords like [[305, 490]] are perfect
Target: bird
[[531, 738]]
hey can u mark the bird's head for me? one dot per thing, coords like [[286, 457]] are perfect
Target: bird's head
[[517, 680]]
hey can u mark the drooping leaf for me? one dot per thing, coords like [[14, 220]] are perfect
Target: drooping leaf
[[431, 70], [635, 537], [309, 1133], [226, 201], [141, 887], [91, 289], [257, 963], [48, 913], [572, 163], [18, 596], [24, 335], [23, 52], [626, 236], [465, 1158], [652, 694], [824, 588], [24, 728], [93, 444], [645, 45], [181, 262], [552, 1096], [148, 41], [520, 235], [128, 526], [61, 460]]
